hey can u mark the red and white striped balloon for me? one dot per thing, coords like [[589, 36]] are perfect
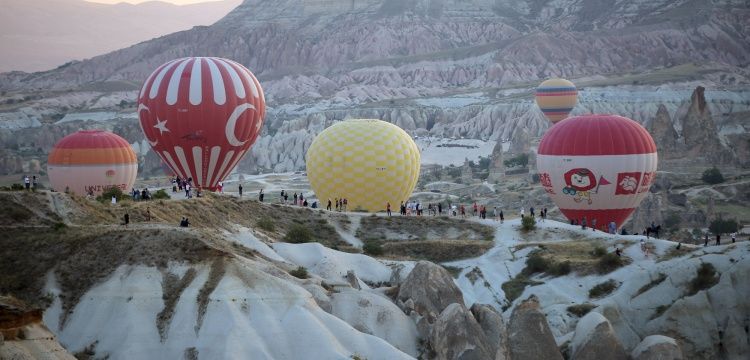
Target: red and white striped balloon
[[597, 166], [201, 115]]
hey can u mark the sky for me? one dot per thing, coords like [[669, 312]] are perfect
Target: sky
[[176, 2]]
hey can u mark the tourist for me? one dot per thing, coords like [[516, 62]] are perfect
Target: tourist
[[239, 187], [734, 237], [387, 207], [705, 240], [126, 220], [261, 195], [328, 207], [718, 239], [27, 182]]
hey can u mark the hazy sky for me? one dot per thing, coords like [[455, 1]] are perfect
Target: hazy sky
[[178, 2]]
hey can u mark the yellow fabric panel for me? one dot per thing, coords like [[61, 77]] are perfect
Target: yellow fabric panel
[[368, 162]]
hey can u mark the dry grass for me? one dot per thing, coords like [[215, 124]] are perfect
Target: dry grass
[[172, 288], [421, 228], [435, 250], [579, 253]]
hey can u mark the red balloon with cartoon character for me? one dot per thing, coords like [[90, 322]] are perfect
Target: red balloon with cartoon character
[[201, 115], [597, 167]]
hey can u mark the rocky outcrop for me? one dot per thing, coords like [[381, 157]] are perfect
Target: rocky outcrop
[[431, 288], [529, 335], [657, 347], [466, 172], [699, 131], [497, 167], [23, 335], [664, 133], [649, 210], [520, 142], [595, 339], [493, 326], [456, 335]]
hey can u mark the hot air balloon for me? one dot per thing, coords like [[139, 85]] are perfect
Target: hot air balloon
[[92, 161], [556, 98], [597, 166], [201, 115], [367, 162]]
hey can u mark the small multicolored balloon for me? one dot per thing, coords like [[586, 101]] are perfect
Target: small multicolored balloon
[[556, 98]]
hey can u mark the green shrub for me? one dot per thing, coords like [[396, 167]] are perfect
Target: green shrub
[[603, 289], [721, 226], [528, 223], [373, 248], [536, 263], [59, 226], [298, 234], [160, 194], [107, 195], [599, 251], [18, 214], [581, 309], [17, 187], [712, 176], [300, 272], [266, 224], [704, 279], [608, 263], [560, 268]]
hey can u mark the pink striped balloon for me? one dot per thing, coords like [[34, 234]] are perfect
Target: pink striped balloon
[[201, 115]]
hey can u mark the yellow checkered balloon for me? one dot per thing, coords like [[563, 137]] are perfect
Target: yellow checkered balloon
[[368, 162]]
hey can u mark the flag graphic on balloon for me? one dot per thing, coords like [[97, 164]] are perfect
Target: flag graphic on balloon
[[201, 115]]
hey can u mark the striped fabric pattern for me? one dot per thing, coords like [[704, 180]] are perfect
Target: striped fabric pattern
[[556, 98]]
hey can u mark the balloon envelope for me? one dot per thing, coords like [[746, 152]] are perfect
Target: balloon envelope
[[201, 115], [556, 98], [597, 166], [92, 161], [368, 162]]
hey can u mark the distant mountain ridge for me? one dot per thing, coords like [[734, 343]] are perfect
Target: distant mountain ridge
[[43, 34]]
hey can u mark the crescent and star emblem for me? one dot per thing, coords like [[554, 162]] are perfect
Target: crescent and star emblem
[[232, 124], [142, 107]]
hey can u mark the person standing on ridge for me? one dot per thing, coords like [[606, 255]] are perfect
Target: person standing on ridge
[[240, 189], [27, 182], [705, 240], [523, 212], [261, 195], [387, 207], [531, 211], [328, 207], [734, 237], [718, 239], [593, 224], [295, 198]]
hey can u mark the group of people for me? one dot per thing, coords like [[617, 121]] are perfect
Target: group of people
[[180, 184], [610, 227], [341, 204], [144, 194], [30, 183], [532, 213]]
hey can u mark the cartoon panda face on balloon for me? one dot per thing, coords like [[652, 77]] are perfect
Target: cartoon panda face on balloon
[[201, 115]]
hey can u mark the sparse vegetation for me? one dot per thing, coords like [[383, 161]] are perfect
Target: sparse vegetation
[[421, 228], [521, 160], [659, 279], [599, 251], [59, 226], [160, 195], [581, 309], [266, 224], [603, 289], [712, 176], [659, 311], [528, 223], [453, 270], [298, 234], [435, 250], [536, 263], [705, 278], [672, 221], [514, 288], [608, 263], [300, 273], [372, 248]]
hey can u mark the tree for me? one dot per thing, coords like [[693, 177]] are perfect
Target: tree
[[712, 176], [721, 226]]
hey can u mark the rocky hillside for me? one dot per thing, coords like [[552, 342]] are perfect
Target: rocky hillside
[[233, 285]]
